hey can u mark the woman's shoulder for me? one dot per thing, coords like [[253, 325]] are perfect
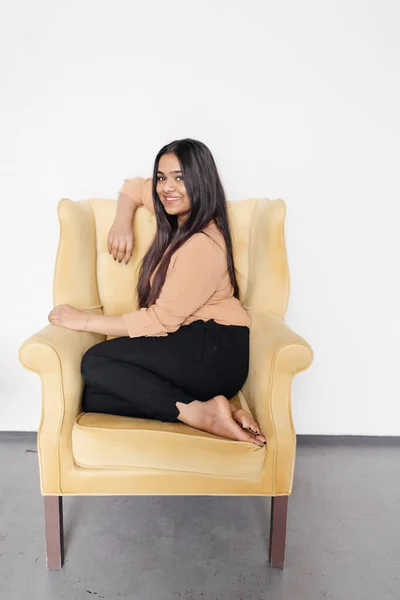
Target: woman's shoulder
[[213, 232], [209, 242], [207, 236]]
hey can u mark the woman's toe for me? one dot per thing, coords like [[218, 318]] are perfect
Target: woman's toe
[[256, 435], [248, 424], [254, 430]]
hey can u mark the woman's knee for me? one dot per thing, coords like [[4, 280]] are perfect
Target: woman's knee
[[90, 360]]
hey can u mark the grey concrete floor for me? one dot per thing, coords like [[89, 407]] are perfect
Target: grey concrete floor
[[343, 538]]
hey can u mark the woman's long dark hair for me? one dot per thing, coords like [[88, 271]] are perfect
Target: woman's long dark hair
[[208, 202]]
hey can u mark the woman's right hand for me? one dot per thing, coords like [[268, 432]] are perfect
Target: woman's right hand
[[120, 241]]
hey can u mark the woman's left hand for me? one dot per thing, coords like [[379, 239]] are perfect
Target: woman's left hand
[[69, 317]]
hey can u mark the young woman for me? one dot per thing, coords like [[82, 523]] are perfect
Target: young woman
[[185, 352]]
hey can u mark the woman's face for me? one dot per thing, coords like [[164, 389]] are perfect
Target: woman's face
[[171, 187]]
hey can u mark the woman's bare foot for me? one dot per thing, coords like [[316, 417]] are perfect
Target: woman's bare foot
[[243, 418], [215, 416]]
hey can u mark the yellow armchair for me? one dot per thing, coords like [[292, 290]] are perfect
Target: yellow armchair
[[97, 454]]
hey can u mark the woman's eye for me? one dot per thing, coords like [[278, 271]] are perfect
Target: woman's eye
[[161, 178]]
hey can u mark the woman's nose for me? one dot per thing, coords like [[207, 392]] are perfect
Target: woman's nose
[[168, 186]]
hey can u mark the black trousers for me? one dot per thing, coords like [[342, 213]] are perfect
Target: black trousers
[[146, 376]]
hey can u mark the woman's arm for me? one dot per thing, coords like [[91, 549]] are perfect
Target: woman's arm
[[194, 276], [134, 192], [120, 236], [67, 316], [139, 189], [107, 325]]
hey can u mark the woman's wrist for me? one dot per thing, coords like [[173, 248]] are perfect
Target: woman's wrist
[[85, 327], [106, 324]]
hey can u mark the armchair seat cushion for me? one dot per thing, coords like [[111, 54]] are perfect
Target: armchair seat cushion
[[112, 442]]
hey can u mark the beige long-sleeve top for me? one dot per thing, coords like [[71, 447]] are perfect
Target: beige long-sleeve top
[[197, 284]]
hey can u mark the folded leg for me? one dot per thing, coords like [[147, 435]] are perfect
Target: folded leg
[[120, 388]]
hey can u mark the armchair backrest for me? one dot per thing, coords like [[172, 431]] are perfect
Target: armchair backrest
[[86, 276]]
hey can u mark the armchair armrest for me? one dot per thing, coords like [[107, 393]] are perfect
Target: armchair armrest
[[277, 353], [56, 353]]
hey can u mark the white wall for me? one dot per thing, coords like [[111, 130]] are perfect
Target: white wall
[[297, 100]]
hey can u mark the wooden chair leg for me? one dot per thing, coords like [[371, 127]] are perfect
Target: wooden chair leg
[[53, 517], [277, 538]]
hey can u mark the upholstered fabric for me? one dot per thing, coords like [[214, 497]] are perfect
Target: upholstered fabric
[[89, 454], [104, 441]]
